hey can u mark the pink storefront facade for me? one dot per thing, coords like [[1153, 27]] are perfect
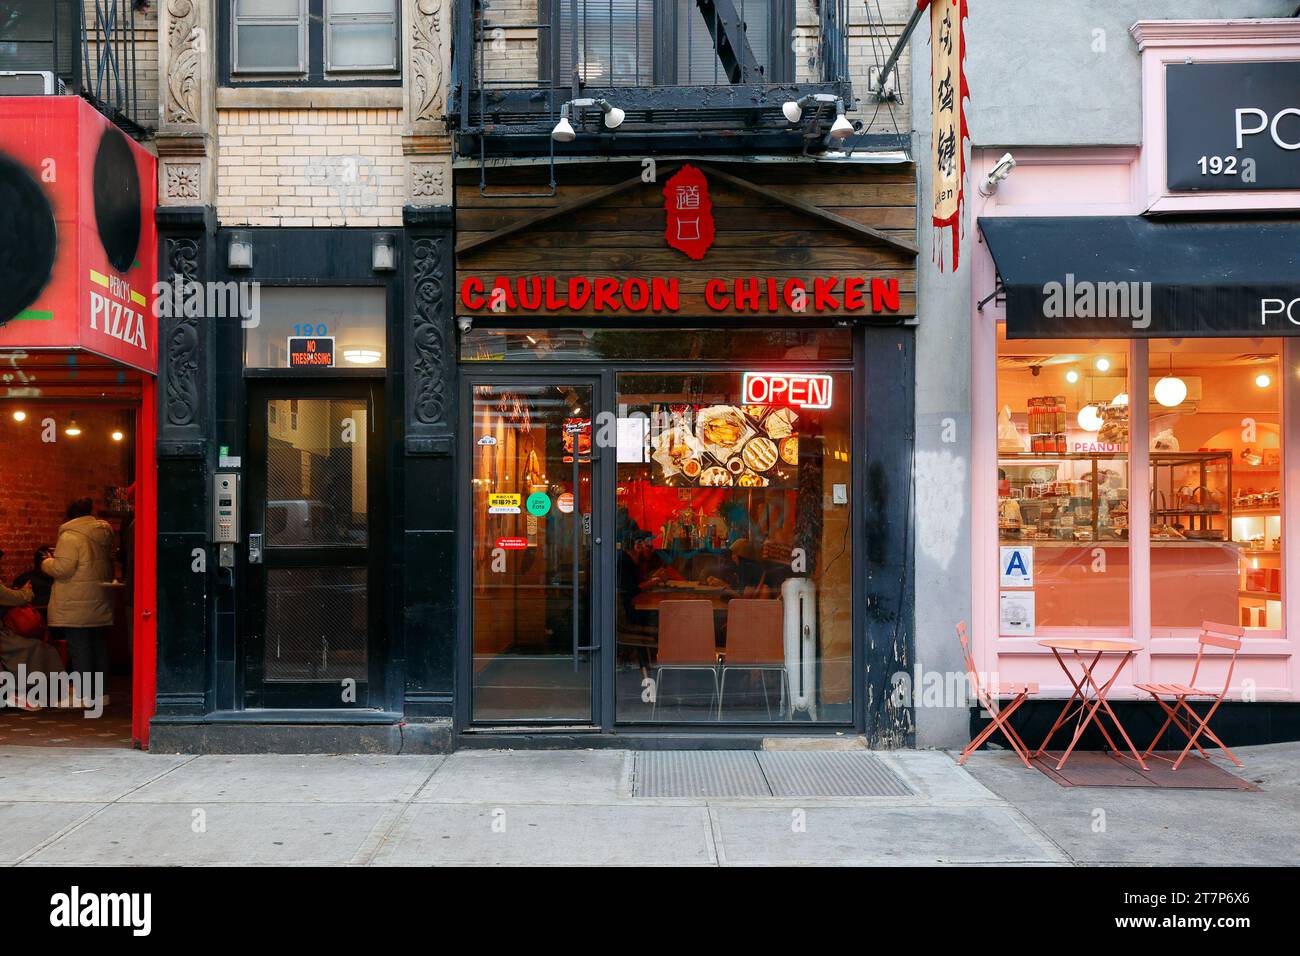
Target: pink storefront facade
[[1139, 519]]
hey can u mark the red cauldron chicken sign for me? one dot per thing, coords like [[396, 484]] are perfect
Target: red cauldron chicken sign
[[78, 245]]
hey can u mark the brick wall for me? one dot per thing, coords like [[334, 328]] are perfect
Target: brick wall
[[38, 479], [310, 167]]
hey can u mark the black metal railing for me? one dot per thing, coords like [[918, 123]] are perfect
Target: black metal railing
[[676, 70], [90, 49], [110, 77]]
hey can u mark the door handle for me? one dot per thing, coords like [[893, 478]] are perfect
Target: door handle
[[254, 549]]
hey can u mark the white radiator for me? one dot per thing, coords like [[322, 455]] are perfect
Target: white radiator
[[799, 599]]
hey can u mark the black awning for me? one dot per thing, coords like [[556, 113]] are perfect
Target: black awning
[[1127, 277]]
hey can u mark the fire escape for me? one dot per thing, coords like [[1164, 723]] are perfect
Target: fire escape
[[77, 48], [635, 75]]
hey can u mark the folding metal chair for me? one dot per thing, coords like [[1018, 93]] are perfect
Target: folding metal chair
[[1227, 636], [988, 699]]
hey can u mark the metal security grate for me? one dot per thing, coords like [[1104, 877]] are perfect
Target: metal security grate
[[847, 774], [765, 774], [698, 773]]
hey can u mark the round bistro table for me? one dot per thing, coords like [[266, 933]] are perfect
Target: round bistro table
[[1090, 696]]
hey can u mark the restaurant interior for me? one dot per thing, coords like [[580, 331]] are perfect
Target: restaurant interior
[[72, 437]]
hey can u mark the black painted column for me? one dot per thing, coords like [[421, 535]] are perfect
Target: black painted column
[[429, 478], [185, 236]]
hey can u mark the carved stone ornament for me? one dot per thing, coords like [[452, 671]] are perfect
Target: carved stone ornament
[[429, 361], [185, 48], [181, 180], [181, 361], [427, 93]]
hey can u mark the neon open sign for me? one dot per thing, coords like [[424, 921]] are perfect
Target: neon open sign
[[786, 388]]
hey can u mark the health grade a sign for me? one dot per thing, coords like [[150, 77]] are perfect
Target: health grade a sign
[[786, 388], [79, 249]]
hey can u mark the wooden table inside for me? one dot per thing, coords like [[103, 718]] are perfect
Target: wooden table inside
[[650, 600]]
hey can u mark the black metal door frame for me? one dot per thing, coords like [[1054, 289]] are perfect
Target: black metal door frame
[[255, 691], [601, 474]]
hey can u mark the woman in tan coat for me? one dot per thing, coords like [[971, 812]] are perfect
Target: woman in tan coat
[[81, 607]]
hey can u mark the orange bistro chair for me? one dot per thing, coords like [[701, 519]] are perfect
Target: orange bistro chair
[[1019, 693], [1226, 636], [686, 643]]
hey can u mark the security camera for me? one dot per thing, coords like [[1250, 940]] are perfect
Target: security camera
[[1000, 171], [464, 323]]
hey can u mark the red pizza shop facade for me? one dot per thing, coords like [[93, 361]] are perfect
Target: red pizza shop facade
[[682, 433], [79, 353]]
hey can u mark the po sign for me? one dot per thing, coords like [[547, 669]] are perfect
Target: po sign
[[1233, 126], [786, 388]]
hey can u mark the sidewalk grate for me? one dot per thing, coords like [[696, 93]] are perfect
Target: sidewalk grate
[[700, 773], [851, 774]]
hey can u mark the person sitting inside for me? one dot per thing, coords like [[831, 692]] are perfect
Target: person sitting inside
[[40, 582], [23, 650]]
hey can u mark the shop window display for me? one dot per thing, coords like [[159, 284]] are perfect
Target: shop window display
[[1063, 486], [735, 567], [1216, 459]]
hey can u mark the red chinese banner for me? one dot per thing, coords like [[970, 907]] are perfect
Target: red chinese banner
[[948, 132], [689, 212]]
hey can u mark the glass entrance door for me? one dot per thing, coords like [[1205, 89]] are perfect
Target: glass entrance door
[[313, 507], [532, 482]]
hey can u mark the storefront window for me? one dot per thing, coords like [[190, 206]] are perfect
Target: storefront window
[[734, 534], [1063, 485], [1216, 458]]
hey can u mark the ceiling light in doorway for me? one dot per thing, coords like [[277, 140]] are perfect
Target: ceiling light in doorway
[[1263, 380], [118, 435], [362, 356], [20, 415], [73, 429], [1089, 419]]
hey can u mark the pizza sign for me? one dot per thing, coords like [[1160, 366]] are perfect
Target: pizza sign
[[689, 212]]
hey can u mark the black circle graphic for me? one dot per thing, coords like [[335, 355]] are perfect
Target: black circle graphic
[[117, 199], [28, 239]]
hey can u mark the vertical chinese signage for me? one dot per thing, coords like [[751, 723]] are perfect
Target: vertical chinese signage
[[689, 212], [948, 132]]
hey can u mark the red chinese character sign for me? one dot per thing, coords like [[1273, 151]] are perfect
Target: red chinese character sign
[[948, 133], [689, 212]]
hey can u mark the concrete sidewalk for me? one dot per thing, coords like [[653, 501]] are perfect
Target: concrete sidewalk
[[103, 807]]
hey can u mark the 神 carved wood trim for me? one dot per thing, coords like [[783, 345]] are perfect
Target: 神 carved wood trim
[[184, 62]]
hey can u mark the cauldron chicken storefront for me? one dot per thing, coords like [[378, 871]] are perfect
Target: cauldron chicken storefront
[[684, 478]]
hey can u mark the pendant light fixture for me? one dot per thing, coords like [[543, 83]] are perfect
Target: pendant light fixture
[[1090, 418], [1170, 391], [73, 429]]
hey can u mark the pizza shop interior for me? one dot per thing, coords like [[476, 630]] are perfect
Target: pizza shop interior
[[723, 592], [68, 540], [1211, 485]]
